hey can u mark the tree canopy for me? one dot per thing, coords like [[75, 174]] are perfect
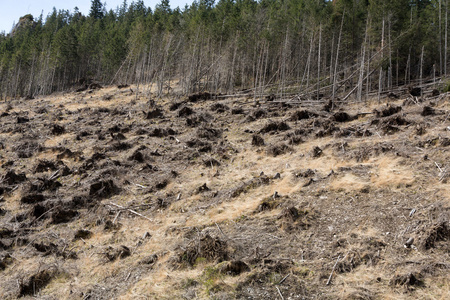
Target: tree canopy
[[229, 45]]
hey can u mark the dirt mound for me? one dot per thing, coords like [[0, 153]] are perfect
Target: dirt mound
[[256, 114], [415, 91], [278, 149], [234, 268], [113, 253], [12, 178], [63, 216], [435, 234], [257, 140], [408, 280], [103, 189], [137, 156], [209, 133], [46, 165], [185, 111], [58, 129], [162, 132], [201, 96], [219, 108], [196, 120], [34, 283], [387, 111], [274, 127], [153, 114], [200, 145], [342, 117], [32, 198], [237, 111], [302, 115], [428, 111]]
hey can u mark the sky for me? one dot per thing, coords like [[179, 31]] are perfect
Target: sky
[[12, 10]]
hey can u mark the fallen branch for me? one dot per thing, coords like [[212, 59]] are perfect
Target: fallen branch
[[131, 211], [332, 271], [279, 292], [282, 280], [221, 230]]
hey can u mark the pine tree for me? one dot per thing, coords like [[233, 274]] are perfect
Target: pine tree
[[96, 11]]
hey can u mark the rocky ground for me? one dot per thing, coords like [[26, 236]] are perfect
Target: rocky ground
[[106, 195]]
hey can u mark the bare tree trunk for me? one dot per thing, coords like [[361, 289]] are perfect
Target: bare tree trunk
[[337, 56], [445, 39], [380, 82], [408, 71], [421, 71], [361, 69], [318, 61]]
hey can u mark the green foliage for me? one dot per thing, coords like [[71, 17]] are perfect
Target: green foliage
[[210, 279], [96, 11], [221, 46]]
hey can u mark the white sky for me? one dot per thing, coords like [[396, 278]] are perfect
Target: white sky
[[12, 10]]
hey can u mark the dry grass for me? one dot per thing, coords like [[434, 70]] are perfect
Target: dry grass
[[349, 206]]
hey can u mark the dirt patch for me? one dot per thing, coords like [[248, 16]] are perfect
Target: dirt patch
[[63, 216], [316, 152], [428, 111], [257, 140], [302, 115], [137, 156], [278, 149], [32, 198], [211, 162], [197, 120], [82, 234], [435, 234], [342, 117], [201, 146], [209, 133], [161, 132], [12, 178], [275, 127], [408, 280], [201, 96], [237, 111], [219, 108], [112, 253], [185, 111], [58, 129], [33, 284], [292, 218], [153, 114], [387, 111], [67, 153], [44, 184], [256, 114], [234, 268], [103, 189]]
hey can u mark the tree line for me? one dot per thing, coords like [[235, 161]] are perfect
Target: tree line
[[285, 47]]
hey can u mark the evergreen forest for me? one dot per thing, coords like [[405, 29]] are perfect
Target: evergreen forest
[[307, 48]]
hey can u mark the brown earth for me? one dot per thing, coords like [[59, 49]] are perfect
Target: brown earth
[[107, 195]]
